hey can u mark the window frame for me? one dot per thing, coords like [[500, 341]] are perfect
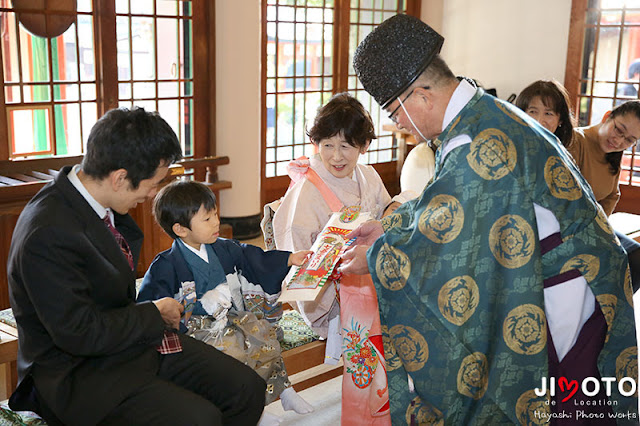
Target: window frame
[[274, 187], [629, 190], [106, 69]]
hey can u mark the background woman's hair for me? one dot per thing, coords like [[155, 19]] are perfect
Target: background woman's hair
[[630, 107], [553, 95]]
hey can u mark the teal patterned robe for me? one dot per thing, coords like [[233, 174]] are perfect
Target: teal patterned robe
[[459, 275]]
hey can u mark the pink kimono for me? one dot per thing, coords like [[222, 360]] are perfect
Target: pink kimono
[[304, 211]]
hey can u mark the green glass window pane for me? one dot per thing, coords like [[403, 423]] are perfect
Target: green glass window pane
[[185, 36], [30, 131], [186, 127]]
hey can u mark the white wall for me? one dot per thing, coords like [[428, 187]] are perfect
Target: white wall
[[505, 44], [237, 100]]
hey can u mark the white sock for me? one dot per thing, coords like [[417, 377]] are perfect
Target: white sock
[[269, 419], [292, 401]]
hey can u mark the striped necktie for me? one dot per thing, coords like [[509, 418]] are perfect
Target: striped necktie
[[124, 247]]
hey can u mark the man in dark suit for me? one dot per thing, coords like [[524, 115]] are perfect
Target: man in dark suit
[[88, 354]]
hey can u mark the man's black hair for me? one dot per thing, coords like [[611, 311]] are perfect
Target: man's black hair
[[131, 139]]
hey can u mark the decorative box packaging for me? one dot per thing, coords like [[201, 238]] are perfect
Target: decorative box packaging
[[306, 282]]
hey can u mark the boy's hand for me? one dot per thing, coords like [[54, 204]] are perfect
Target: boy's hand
[[298, 257], [170, 310]]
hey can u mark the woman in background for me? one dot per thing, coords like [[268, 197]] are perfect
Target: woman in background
[[597, 150], [548, 102]]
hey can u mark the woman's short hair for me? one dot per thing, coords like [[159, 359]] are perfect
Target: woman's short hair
[[344, 115]]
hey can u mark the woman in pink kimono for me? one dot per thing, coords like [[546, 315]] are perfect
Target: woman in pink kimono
[[321, 185]]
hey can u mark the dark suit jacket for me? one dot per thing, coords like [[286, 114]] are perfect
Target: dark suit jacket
[[83, 341]]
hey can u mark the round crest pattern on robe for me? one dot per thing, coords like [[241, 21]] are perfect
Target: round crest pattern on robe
[[587, 264], [532, 409], [506, 108], [493, 155], [608, 305], [421, 413], [473, 375], [627, 366], [458, 299], [628, 287], [512, 241], [603, 222], [411, 347], [393, 267], [391, 221], [442, 219], [391, 358], [560, 180], [525, 329]]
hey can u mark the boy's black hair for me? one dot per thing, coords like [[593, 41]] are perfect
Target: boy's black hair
[[179, 201], [343, 114], [131, 139]]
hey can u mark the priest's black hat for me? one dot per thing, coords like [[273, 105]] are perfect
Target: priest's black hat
[[393, 55]]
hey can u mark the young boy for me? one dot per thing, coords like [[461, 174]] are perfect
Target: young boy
[[227, 277]]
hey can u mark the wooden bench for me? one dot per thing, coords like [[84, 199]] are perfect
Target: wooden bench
[[8, 358]]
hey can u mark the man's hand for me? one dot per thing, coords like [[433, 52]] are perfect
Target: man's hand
[[298, 257], [367, 233], [170, 310], [354, 260]]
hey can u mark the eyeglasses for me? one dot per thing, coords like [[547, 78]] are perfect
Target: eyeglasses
[[393, 114], [628, 140]]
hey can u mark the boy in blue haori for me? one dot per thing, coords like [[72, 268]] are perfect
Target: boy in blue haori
[[229, 289]]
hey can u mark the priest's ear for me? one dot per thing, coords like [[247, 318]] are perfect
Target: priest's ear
[[179, 230]]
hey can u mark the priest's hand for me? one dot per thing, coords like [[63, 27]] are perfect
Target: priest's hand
[[354, 260], [367, 233]]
